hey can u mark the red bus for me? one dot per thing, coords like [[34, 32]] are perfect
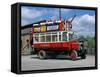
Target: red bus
[[52, 38]]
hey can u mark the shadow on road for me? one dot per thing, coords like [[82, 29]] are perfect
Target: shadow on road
[[58, 58]]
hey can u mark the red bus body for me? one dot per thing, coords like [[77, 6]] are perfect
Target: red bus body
[[58, 46]]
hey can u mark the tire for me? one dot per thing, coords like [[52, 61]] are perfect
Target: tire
[[42, 54], [73, 55], [83, 56]]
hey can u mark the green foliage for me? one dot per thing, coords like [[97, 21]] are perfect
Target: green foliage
[[89, 41]]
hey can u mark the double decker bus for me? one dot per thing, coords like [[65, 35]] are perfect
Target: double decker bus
[[52, 38]]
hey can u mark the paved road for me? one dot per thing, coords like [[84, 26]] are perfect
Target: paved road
[[31, 62]]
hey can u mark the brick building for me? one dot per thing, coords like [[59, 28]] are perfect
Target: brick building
[[26, 34]]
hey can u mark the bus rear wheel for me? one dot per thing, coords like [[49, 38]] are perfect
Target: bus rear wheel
[[73, 55], [42, 54]]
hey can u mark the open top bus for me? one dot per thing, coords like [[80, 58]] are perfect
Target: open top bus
[[51, 38]]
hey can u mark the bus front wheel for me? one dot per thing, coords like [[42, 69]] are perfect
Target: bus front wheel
[[73, 55]]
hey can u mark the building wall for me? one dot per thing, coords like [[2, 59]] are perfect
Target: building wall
[[25, 47]]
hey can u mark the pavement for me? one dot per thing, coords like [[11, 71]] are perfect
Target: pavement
[[32, 62]]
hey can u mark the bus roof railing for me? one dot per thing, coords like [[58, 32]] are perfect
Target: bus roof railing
[[47, 23]]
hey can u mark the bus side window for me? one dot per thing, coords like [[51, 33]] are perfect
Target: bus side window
[[48, 37], [70, 36], [42, 38], [64, 36], [54, 37], [36, 38]]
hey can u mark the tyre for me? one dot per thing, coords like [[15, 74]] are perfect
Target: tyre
[[73, 55], [42, 54], [83, 56]]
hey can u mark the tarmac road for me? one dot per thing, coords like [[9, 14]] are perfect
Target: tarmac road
[[32, 62]]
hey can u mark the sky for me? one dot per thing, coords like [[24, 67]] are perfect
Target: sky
[[83, 24]]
